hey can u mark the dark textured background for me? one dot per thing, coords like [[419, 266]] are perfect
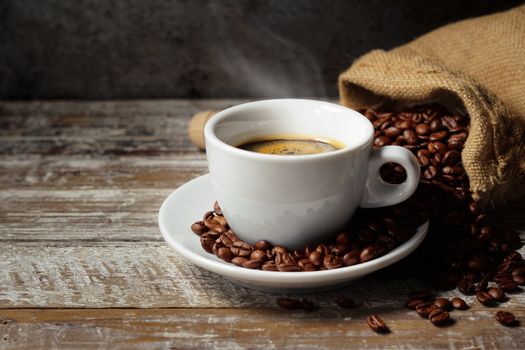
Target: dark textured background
[[102, 49]]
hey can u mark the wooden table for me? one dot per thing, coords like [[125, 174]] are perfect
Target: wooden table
[[83, 265]]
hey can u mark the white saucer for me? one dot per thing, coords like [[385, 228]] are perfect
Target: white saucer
[[189, 202]]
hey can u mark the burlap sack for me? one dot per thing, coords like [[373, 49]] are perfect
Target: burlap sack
[[476, 66]]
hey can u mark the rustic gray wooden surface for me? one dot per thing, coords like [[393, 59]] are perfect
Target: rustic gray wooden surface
[[83, 265]]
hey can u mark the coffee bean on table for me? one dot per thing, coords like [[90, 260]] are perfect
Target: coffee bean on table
[[308, 305], [290, 304], [497, 294], [439, 317], [426, 309], [459, 304], [466, 286], [506, 319], [443, 303], [377, 324], [485, 298]]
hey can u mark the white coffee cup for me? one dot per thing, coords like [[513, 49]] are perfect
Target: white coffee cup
[[292, 200]]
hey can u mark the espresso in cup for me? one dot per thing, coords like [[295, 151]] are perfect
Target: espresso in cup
[[291, 145]]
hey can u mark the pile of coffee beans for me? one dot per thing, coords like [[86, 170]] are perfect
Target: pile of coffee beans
[[371, 234], [464, 248]]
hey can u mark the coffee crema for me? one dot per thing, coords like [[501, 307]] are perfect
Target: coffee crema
[[291, 145]]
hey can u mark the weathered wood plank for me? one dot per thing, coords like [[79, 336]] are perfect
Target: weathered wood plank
[[80, 173], [153, 275], [267, 328]]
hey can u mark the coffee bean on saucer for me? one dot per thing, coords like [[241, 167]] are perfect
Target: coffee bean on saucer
[[351, 258], [225, 254], [239, 260], [289, 304], [371, 252], [207, 242], [269, 266], [263, 245], [459, 304], [332, 261], [240, 248], [288, 267], [199, 228], [217, 208], [506, 318], [252, 263], [258, 254], [208, 215], [377, 324], [316, 258]]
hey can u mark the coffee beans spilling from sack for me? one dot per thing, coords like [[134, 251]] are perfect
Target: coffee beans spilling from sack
[[372, 233]]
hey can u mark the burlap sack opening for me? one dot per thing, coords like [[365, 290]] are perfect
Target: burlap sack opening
[[477, 67]]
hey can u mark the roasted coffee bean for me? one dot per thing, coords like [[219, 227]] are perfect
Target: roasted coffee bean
[[438, 135], [316, 258], [210, 223], [459, 304], [253, 264], [306, 265], [332, 261], [479, 264], [518, 275], [426, 309], [423, 160], [208, 215], [367, 236], [382, 141], [508, 285], [466, 286], [391, 132], [345, 303], [422, 129], [225, 254], [443, 303], [289, 304], [506, 318], [371, 252], [199, 227], [323, 249], [241, 248], [410, 136], [436, 125], [216, 232], [351, 258], [339, 249], [239, 260], [258, 254], [269, 266], [377, 324], [485, 298], [423, 294], [216, 246], [288, 267], [430, 172], [412, 304], [497, 294], [280, 249], [263, 245], [228, 238], [308, 305], [217, 208], [207, 242], [439, 317], [343, 239], [221, 220], [286, 258]]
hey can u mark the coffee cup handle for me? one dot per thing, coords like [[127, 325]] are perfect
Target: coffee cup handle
[[379, 193]]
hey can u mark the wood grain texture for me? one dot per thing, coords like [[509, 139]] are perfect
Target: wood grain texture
[[80, 188], [248, 328]]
